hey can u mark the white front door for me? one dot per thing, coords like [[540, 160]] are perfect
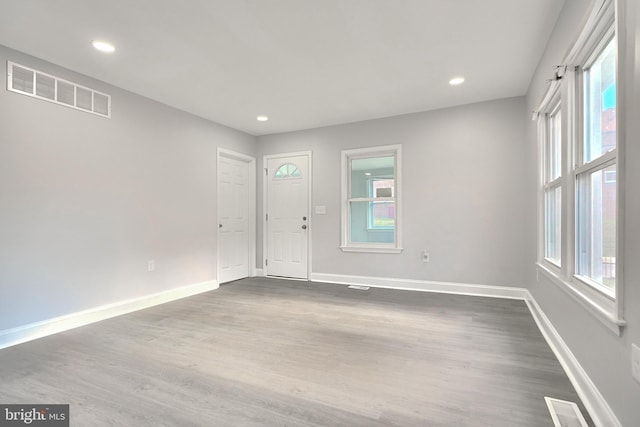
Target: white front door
[[233, 218], [288, 216]]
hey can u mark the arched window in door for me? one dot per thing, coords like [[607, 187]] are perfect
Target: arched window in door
[[288, 170]]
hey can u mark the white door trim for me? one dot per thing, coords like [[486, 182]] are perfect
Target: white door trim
[[265, 184], [251, 161]]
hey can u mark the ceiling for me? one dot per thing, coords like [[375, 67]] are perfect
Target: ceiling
[[303, 63]]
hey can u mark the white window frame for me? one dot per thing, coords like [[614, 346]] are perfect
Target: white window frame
[[583, 168], [601, 26], [552, 106], [363, 153]]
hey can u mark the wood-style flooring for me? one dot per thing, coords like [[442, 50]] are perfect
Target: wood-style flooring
[[267, 352]]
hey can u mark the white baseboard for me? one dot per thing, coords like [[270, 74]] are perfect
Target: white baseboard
[[423, 285], [32, 331], [259, 272], [598, 408]]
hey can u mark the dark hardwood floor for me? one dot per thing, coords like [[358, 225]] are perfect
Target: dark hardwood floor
[[267, 352]]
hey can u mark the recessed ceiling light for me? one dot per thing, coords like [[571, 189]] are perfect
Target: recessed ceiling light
[[103, 46], [367, 173], [456, 81], [262, 118]]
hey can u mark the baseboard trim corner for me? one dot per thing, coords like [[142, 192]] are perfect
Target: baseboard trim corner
[[32, 331], [600, 411], [259, 272]]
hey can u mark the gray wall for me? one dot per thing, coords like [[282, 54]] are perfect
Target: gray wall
[[462, 188], [86, 201], [604, 356]]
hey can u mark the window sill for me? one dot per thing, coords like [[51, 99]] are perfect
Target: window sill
[[553, 264], [597, 305], [371, 249]]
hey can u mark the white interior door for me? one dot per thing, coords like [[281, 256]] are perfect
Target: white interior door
[[233, 218], [288, 216]]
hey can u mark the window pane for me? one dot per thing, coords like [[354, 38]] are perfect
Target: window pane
[[363, 171], [382, 188], [362, 214], [288, 170], [553, 225], [555, 145], [596, 231], [382, 215], [600, 104]]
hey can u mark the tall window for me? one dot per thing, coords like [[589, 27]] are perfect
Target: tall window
[[552, 186], [596, 208], [580, 231], [371, 199]]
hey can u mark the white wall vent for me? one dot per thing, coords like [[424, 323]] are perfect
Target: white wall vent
[[30, 82]]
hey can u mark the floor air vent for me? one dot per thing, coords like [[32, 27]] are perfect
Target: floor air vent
[[359, 287], [564, 413]]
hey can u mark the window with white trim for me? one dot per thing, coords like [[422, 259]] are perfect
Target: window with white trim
[[596, 207], [553, 183], [371, 199], [288, 170], [579, 198]]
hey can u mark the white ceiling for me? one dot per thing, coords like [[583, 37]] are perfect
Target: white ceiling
[[303, 63]]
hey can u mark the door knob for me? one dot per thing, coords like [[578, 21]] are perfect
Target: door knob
[[219, 225], [304, 227]]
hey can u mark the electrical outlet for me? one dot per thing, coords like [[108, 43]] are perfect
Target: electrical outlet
[[425, 256], [151, 265], [635, 362]]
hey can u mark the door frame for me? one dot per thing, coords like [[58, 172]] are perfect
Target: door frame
[[265, 186], [251, 206]]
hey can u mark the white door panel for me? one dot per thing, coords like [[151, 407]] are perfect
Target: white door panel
[[288, 216], [233, 219]]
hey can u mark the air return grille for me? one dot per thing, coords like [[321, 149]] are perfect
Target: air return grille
[[27, 81], [564, 413]]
